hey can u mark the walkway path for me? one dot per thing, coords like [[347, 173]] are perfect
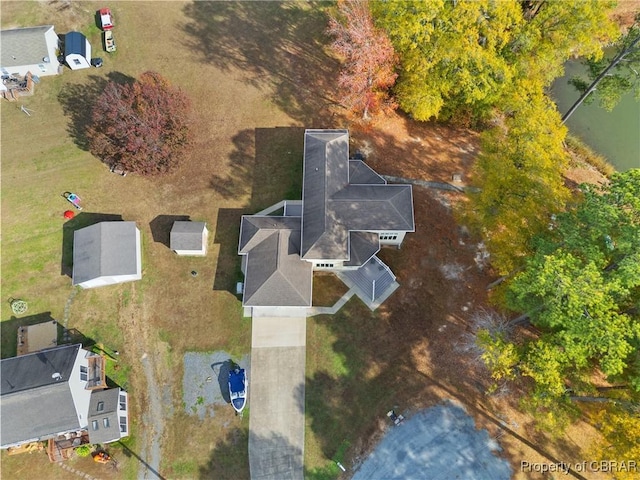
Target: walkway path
[[276, 398], [430, 184]]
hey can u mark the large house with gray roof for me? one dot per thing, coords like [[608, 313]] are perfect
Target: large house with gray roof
[[60, 394], [347, 213]]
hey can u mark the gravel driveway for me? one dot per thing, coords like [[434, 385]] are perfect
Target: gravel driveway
[[204, 383]]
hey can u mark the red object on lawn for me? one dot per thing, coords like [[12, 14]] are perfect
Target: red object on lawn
[[68, 214], [106, 20]]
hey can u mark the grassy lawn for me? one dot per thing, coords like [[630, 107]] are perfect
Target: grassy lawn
[[249, 106]]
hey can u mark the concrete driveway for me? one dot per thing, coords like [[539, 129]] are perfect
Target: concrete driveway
[[276, 398], [440, 443]]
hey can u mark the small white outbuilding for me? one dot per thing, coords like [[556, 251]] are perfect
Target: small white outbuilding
[[77, 51], [106, 253], [189, 238]]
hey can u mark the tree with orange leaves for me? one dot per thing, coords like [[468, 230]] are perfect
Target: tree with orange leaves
[[369, 60]]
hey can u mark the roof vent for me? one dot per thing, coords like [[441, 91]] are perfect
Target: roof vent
[[46, 60], [56, 376]]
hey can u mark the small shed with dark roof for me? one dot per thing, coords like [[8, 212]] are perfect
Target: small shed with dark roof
[[77, 51], [106, 253], [189, 238]]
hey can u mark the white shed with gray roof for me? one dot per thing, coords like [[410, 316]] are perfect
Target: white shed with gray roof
[[31, 49], [189, 238], [106, 253]]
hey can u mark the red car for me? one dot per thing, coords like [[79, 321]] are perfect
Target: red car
[[106, 20]]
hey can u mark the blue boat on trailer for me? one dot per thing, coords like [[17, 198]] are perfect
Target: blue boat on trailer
[[238, 386]]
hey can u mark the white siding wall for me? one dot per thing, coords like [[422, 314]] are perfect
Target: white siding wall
[[391, 238], [123, 412], [77, 62], [81, 396]]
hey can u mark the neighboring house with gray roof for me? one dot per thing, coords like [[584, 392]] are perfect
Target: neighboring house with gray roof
[[347, 213], [189, 238], [106, 253], [48, 395], [31, 49]]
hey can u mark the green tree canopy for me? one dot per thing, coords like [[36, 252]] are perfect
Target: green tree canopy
[[582, 288]]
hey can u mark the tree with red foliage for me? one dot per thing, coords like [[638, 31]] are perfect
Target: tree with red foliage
[[369, 59], [141, 127]]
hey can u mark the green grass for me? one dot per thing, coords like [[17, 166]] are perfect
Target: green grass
[[342, 397], [185, 468]]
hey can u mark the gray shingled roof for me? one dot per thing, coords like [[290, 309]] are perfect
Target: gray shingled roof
[[104, 249], [35, 369], [35, 405], [332, 206], [109, 399], [23, 46], [254, 229], [362, 246], [187, 235], [275, 275], [362, 174]]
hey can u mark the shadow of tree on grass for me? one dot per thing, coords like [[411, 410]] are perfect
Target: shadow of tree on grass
[[274, 44], [78, 99]]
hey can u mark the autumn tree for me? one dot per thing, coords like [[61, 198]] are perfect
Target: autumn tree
[[620, 430], [519, 175], [369, 59], [559, 30], [142, 127], [460, 57], [451, 53]]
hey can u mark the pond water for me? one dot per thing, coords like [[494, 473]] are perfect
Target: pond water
[[615, 134]]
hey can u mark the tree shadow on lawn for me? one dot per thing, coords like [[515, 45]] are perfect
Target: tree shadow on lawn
[[83, 219], [227, 235], [279, 44], [230, 460], [268, 161], [78, 99]]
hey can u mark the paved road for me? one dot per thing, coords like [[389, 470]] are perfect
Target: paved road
[[440, 443], [276, 398]]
